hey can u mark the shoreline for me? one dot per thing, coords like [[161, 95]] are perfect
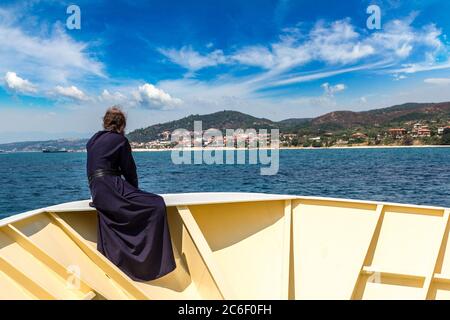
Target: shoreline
[[291, 148], [266, 148]]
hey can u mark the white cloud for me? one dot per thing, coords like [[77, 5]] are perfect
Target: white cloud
[[113, 98], [398, 77], [397, 37], [152, 97], [323, 74], [258, 56], [338, 43], [330, 90], [333, 43], [401, 38], [16, 84], [71, 92], [48, 57], [338, 46], [438, 81], [420, 67], [193, 60]]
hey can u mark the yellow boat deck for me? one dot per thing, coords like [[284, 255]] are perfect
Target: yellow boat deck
[[239, 246]]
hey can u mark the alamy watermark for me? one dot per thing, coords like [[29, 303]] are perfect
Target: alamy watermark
[[73, 21], [374, 20], [73, 277], [238, 146]]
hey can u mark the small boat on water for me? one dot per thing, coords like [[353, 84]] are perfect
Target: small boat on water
[[239, 246], [54, 150]]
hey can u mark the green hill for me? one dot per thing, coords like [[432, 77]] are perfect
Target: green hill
[[331, 122], [220, 120], [384, 117]]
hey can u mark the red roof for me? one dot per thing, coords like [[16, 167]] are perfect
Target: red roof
[[397, 129]]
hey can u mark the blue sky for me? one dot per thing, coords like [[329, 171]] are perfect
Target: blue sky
[[162, 60]]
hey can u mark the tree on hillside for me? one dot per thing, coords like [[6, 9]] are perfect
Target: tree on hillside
[[407, 141], [446, 137]]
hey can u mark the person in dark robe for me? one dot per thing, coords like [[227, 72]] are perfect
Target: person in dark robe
[[133, 231]]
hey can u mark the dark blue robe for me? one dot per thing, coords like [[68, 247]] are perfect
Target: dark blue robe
[[132, 224]]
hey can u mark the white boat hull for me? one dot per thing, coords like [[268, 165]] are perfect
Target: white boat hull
[[239, 246]]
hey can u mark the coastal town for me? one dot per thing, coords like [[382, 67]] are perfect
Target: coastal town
[[420, 133]]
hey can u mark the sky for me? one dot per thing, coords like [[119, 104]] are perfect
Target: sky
[[163, 60]]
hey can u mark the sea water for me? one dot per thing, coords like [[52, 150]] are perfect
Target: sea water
[[406, 175]]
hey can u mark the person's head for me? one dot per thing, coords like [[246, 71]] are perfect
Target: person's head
[[115, 120]]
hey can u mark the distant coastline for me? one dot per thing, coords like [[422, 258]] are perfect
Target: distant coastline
[[416, 125], [138, 150], [295, 148]]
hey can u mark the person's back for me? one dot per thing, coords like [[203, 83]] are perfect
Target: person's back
[[109, 150], [133, 231], [103, 151]]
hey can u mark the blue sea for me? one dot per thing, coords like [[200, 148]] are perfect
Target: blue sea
[[406, 175]]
